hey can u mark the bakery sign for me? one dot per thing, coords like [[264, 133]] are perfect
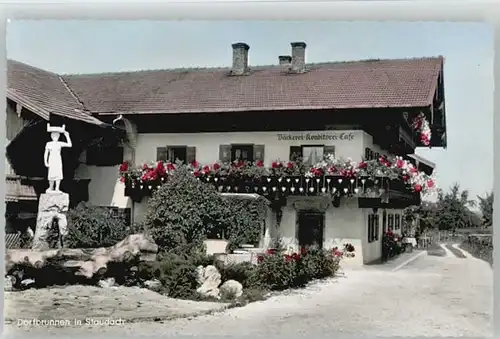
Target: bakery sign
[[319, 136]]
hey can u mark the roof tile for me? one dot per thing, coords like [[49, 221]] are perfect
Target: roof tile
[[360, 84]]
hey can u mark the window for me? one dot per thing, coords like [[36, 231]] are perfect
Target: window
[[246, 152], [373, 227], [311, 154], [104, 156], [390, 222], [242, 152], [176, 153], [397, 221]]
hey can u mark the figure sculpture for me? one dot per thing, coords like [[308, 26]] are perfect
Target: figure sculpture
[[52, 156]]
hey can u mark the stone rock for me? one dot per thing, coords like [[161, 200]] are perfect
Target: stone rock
[[26, 283], [199, 274], [153, 285], [8, 284], [51, 206], [211, 282], [231, 289], [107, 283]]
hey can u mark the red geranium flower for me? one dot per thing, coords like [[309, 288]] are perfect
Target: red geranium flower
[[288, 258], [145, 166], [290, 165], [195, 164], [150, 175], [332, 169], [400, 163], [296, 256], [363, 165], [276, 164], [124, 167], [271, 251], [206, 169], [197, 173], [260, 258], [406, 177], [260, 163], [418, 188], [122, 179], [216, 166], [170, 167], [338, 253], [303, 251], [317, 171], [160, 168]]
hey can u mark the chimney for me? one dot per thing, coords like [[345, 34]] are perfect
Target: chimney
[[240, 58], [298, 56], [285, 59]]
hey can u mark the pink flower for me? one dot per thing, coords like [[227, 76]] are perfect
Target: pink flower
[[430, 183]]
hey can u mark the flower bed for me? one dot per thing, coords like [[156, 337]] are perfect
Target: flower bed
[[334, 176]]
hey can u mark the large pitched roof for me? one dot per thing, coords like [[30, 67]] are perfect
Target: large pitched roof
[[359, 84], [43, 92]]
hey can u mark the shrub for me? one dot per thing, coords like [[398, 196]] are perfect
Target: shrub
[[94, 226], [278, 272], [184, 210], [245, 273], [176, 270]]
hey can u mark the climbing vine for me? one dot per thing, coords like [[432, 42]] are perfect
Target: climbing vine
[[247, 220]]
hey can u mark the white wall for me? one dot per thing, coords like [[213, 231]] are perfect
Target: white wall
[[105, 188], [207, 144], [373, 250]]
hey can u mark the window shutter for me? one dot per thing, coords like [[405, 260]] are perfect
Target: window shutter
[[295, 153], [367, 154], [225, 153], [161, 153], [258, 152], [376, 156], [329, 150], [190, 154]]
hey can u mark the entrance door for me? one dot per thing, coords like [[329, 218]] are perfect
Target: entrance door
[[310, 228]]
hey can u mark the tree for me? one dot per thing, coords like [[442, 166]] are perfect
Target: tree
[[453, 209], [486, 208], [450, 211], [184, 211]]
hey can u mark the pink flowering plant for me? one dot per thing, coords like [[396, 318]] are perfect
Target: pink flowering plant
[[390, 168]]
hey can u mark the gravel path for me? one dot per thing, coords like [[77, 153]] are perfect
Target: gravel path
[[432, 296]]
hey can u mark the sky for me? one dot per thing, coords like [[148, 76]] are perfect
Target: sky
[[110, 46]]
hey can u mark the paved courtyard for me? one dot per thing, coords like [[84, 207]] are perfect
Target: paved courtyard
[[431, 296]]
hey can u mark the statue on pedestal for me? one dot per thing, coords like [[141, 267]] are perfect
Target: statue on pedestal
[[51, 225], [52, 156]]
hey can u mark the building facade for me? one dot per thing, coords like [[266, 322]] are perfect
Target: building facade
[[365, 111]]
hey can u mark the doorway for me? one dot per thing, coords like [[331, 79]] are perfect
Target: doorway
[[311, 225]]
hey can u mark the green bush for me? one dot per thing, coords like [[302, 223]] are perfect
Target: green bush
[[176, 270], [184, 211], [245, 273], [94, 226], [278, 272]]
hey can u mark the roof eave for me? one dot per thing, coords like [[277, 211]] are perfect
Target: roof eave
[[44, 114]]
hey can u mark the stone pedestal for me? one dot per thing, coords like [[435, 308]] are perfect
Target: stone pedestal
[[53, 205]]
